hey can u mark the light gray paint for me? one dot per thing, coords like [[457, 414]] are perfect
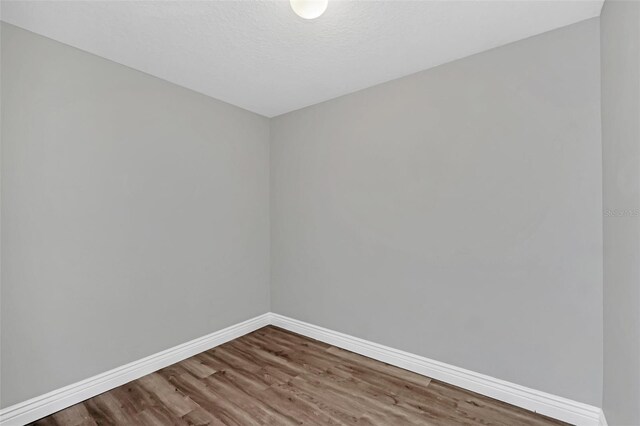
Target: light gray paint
[[135, 215], [455, 213], [261, 56], [620, 22]]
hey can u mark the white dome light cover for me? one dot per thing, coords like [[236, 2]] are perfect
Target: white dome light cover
[[309, 9]]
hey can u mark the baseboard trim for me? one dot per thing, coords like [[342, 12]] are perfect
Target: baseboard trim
[[540, 402], [44, 405]]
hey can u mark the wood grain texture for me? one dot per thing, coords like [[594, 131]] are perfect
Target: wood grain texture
[[275, 377]]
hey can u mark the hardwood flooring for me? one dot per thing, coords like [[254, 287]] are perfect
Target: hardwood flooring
[[276, 377]]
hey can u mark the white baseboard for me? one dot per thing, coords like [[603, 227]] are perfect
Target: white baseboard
[[550, 405], [44, 405], [540, 402]]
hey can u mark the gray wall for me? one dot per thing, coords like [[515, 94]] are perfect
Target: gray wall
[[455, 213], [135, 215], [620, 22]]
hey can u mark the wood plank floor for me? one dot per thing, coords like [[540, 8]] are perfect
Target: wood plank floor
[[276, 377]]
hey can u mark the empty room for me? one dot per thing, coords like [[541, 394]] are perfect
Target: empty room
[[320, 212]]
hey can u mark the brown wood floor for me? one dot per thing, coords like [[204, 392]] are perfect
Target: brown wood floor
[[275, 377]]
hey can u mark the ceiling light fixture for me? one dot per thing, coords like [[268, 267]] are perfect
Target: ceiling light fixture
[[309, 9]]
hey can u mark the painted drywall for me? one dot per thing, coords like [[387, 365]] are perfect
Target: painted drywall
[[455, 213], [261, 56], [135, 215], [620, 22]]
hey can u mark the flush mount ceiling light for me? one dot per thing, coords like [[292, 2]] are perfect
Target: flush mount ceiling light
[[309, 9]]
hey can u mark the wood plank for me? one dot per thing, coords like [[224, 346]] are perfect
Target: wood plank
[[196, 367], [275, 377], [168, 395], [76, 415]]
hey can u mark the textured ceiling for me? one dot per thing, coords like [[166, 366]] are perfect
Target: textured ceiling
[[260, 56]]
